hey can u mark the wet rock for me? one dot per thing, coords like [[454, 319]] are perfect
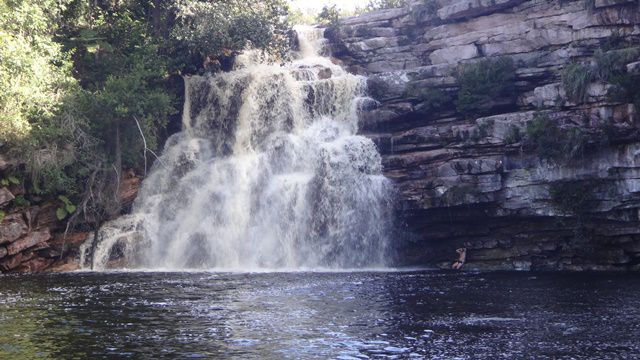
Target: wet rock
[[129, 188], [6, 162], [64, 265], [28, 241], [606, 3], [12, 227], [324, 73], [71, 240], [13, 262], [37, 264], [44, 216]]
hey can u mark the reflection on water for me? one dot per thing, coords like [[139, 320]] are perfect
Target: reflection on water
[[319, 315]]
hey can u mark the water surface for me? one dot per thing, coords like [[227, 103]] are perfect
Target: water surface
[[351, 315]]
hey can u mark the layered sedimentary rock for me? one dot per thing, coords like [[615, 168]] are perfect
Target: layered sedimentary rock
[[474, 179], [32, 237]]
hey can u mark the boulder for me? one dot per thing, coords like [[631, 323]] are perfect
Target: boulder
[[64, 265], [5, 196], [13, 262], [45, 216], [129, 188], [37, 264], [633, 68], [454, 54], [12, 227], [72, 240], [28, 241]]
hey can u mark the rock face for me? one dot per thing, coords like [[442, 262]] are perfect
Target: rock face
[[32, 238], [485, 179]]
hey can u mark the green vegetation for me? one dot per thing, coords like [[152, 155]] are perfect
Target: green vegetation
[[575, 79], [573, 197], [384, 4], [429, 99], [609, 67], [329, 15], [66, 209], [87, 88], [217, 29], [550, 142], [513, 135], [35, 73], [483, 81], [460, 194]]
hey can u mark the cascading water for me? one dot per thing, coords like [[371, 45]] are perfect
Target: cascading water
[[267, 173]]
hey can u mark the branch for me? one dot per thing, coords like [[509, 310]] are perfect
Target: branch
[[144, 141]]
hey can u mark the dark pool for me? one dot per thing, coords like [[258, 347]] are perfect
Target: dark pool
[[361, 315]]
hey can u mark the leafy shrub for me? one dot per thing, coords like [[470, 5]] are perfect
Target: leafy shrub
[[384, 4], [573, 197], [513, 135], [66, 209], [575, 79], [482, 81], [550, 142], [329, 15], [612, 64], [35, 72], [218, 29], [611, 68], [429, 99], [459, 194], [431, 6]]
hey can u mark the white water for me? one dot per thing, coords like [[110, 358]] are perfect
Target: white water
[[268, 173]]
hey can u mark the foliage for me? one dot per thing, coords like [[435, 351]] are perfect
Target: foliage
[[66, 209], [575, 79], [545, 138], [482, 81], [384, 4], [460, 194], [611, 68], [20, 202], [329, 15], [431, 6], [9, 180], [513, 135], [84, 85], [224, 28], [430, 99], [34, 71], [573, 197], [613, 63], [302, 16]]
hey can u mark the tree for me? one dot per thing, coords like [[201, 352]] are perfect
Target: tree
[[35, 73], [222, 29]]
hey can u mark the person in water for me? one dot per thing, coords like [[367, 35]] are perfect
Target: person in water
[[462, 257]]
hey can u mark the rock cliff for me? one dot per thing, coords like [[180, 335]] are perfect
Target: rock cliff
[[32, 236], [499, 122]]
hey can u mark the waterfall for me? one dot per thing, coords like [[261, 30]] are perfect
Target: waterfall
[[267, 173]]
